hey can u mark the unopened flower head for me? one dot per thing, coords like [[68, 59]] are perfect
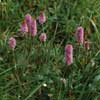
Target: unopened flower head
[[12, 43], [80, 35], [34, 27], [28, 19], [24, 27], [87, 45], [43, 37], [69, 54], [42, 18]]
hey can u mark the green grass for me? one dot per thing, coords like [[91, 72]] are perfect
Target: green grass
[[23, 74]]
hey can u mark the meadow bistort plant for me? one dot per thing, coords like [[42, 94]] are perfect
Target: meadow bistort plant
[[24, 27], [43, 37], [42, 17], [28, 19], [87, 45], [33, 27], [80, 35], [12, 43], [69, 54]]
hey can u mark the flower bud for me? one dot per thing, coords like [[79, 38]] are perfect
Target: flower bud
[[43, 37], [42, 18], [12, 43], [33, 28], [87, 45], [24, 27]]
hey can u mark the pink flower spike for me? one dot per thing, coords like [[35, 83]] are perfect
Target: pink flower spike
[[80, 35], [42, 18], [12, 43], [34, 27], [28, 19], [24, 27], [43, 37], [87, 45], [69, 54]]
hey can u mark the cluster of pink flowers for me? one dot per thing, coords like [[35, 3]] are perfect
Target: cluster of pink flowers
[[69, 47], [42, 20], [80, 38], [29, 25]]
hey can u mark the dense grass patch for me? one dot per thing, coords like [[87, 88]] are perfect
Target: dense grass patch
[[37, 71]]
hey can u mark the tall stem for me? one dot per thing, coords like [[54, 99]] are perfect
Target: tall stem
[[16, 73]]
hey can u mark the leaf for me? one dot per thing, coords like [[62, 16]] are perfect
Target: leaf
[[34, 91]]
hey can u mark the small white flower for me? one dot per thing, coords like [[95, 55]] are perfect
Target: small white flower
[[45, 85]]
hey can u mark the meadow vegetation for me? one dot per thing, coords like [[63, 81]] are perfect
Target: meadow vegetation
[[36, 70]]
